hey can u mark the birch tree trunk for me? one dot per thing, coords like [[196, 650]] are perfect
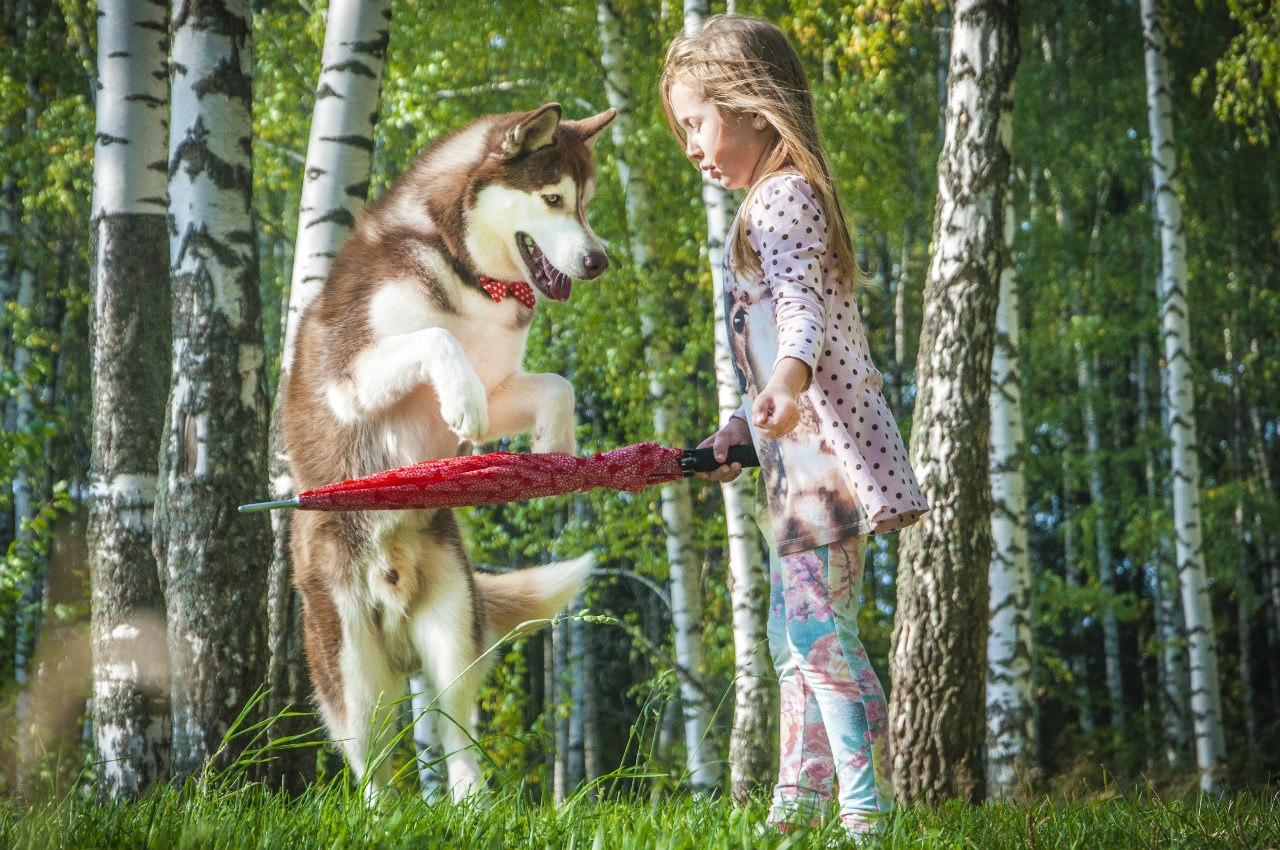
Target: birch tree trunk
[[432, 782], [701, 761], [1246, 599], [1086, 371], [1172, 663], [130, 341], [29, 583], [750, 763], [1206, 701], [1087, 378], [1010, 741], [939, 636], [563, 782], [30, 577], [1267, 541], [1071, 577], [214, 562], [340, 150], [335, 186], [575, 761]]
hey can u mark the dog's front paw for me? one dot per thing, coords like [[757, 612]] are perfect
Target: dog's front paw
[[465, 408]]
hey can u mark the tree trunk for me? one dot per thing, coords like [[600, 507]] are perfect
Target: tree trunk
[[214, 562], [939, 636], [1087, 378], [432, 782], [1268, 542], [29, 576], [1246, 598], [130, 341], [1172, 662], [750, 763], [562, 780], [1206, 701], [340, 151], [701, 761], [1011, 747], [1086, 371], [576, 763], [335, 186], [1071, 577]]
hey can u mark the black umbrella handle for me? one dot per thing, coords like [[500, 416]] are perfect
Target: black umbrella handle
[[704, 460]]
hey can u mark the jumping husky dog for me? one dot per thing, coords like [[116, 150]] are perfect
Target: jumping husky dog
[[413, 347]]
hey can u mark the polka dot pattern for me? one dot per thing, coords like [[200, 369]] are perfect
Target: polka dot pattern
[[847, 433]]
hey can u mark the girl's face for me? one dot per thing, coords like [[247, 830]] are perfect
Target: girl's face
[[727, 145]]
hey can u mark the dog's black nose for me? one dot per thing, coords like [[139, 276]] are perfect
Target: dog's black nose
[[594, 264]]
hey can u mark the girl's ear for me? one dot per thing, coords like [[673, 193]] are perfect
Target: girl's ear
[[589, 129], [758, 122]]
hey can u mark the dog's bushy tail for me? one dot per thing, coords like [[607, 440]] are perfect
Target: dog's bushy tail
[[536, 593]]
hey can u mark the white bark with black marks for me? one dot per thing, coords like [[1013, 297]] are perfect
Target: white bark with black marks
[[937, 712], [1011, 744], [214, 562], [1171, 669], [129, 329], [1202, 648], [702, 762], [340, 151], [750, 764]]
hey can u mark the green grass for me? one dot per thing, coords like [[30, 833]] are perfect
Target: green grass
[[234, 815]]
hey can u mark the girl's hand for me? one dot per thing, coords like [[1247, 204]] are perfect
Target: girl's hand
[[775, 411], [734, 433]]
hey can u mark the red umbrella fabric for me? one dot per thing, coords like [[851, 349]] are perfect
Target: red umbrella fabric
[[498, 477]]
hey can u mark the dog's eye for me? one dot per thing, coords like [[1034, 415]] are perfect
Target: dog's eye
[[554, 200]]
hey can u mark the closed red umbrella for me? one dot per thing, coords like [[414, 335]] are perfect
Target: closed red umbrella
[[489, 479]]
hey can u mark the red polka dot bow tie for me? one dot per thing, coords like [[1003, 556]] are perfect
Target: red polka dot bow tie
[[499, 289]]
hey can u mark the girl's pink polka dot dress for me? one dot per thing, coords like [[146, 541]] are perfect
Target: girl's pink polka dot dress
[[843, 472]]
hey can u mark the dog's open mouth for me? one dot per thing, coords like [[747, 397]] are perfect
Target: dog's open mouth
[[552, 282]]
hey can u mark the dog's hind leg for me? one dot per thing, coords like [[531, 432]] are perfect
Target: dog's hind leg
[[445, 635], [370, 693]]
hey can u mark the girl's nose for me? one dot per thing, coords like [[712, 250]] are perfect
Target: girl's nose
[[691, 149]]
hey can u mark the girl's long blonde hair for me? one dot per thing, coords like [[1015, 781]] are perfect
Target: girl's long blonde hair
[[746, 65]]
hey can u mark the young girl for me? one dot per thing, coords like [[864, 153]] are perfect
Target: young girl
[[833, 466]]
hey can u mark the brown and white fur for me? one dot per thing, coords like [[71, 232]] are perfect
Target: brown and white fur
[[403, 357]]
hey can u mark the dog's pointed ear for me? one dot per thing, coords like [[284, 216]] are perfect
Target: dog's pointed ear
[[534, 130], [589, 129]]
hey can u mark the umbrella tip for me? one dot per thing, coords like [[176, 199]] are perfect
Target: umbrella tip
[[266, 506]]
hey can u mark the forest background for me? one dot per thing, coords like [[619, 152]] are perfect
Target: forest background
[[609, 695]]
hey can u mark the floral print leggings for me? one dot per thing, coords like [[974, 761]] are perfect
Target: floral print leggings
[[834, 719]]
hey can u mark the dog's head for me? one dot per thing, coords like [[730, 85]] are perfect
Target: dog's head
[[526, 217]]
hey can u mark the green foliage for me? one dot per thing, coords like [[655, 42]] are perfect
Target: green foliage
[[1246, 78], [45, 167]]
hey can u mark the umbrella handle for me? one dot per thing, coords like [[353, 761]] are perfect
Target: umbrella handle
[[704, 460]]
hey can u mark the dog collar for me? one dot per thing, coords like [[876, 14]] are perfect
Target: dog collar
[[517, 289]]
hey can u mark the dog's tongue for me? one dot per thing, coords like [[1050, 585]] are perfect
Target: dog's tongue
[[559, 284]]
